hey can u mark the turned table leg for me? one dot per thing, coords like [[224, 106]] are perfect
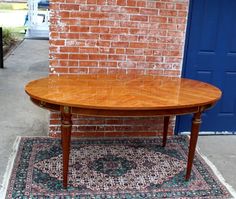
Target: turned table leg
[[165, 130], [193, 142], [66, 125]]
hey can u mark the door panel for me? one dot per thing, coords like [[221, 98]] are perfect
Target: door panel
[[210, 56]]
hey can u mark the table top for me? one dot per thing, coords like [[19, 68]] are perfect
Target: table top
[[122, 92]]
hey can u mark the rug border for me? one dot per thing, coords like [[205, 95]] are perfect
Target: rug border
[[217, 173], [10, 164]]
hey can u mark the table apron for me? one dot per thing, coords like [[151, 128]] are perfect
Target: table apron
[[123, 113]]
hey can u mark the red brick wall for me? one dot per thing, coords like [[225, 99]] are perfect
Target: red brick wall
[[116, 36]]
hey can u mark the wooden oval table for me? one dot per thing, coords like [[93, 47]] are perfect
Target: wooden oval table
[[123, 96]]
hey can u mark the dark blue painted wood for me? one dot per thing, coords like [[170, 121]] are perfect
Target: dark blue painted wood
[[210, 56]]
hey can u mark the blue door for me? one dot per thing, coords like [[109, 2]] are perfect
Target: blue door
[[210, 56]]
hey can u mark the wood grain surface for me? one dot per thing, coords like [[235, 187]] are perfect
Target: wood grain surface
[[122, 92]]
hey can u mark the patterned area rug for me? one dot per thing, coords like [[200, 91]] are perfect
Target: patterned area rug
[[111, 168]]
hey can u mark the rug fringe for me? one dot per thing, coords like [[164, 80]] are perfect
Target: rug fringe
[[218, 174], [10, 164]]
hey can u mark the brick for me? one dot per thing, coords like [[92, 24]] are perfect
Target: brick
[[88, 36], [110, 9], [100, 30], [116, 71], [131, 3], [88, 22], [91, 1], [116, 57], [79, 14], [88, 50], [53, 35], [138, 51], [172, 53], [138, 18], [158, 32], [61, 70], [99, 15], [157, 46], [97, 70], [128, 37], [151, 4], [89, 43], [78, 70], [88, 8], [54, 49], [172, 72], [130, 10], [72, 42], [64, 14], [148, 11], [111, 2], [97, 57], [183, 6], [158, 19], [168, 13], [173, 46], [78, 56], [120, 44], [138, 45], [175, 20], [141, 3], [60, 29], [155, 72], [70, 1], [79, 29], [129, 51], [144, 38], [172, 59], [170, 6], [69, 49], [105, 50], [69, 6], [160, 5], [175, 34], [69, 36], [73, 63], [154, 59], [121, 2], [106, 23], [119, 30], [127, 64], [168, 26], [109, 37], [59, 56], [118, 16], [135, 58], [120, 51], [57, 42], [181, 27], [107, 64], [101, 2], [89, 134], [144, 65], [54, 6], [129, 24], [69, 21], [138, 31], [53, 62], [88, 63], [103, 43]]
